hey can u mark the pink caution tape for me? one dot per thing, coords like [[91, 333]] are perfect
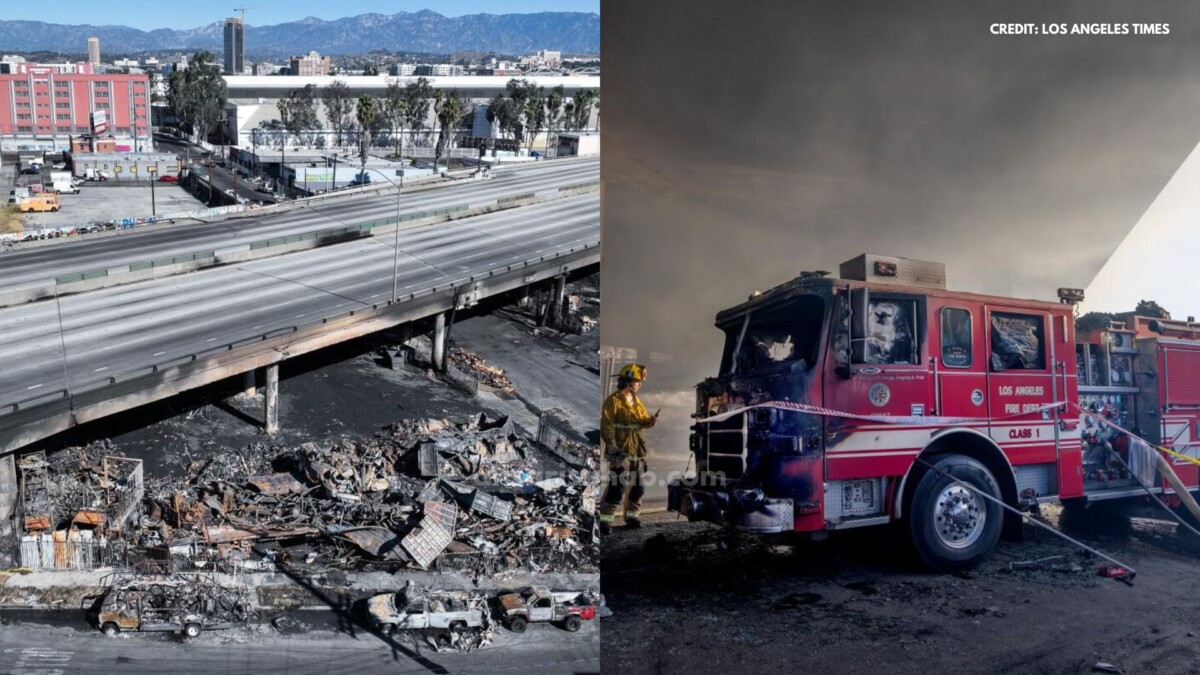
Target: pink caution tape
[[922, 420]]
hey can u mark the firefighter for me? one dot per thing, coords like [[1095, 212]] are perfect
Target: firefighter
[[622, 419]]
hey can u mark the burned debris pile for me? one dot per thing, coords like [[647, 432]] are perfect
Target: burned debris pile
[[474, 496], [474, 364], [71, 501]]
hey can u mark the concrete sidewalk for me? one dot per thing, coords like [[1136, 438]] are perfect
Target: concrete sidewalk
[[71, 589]]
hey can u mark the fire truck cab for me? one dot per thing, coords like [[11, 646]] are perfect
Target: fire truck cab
[[886, 339]]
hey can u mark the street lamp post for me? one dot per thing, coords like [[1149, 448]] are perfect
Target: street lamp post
[[395, 241]]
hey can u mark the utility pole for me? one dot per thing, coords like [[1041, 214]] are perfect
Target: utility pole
[[152, 171]]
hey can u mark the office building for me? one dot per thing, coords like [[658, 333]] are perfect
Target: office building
[[310, 65], [235, 46], [42, 107]]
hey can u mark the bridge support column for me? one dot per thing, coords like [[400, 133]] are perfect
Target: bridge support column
[[439, 342], [272, 398], [250, 383], [554, 309], [8, 503]]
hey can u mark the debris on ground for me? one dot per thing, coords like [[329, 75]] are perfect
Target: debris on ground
[[475, 496], [475, 365]]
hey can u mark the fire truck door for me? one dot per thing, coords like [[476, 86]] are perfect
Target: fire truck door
[[960, 389], [1020, 379], [889, 376]]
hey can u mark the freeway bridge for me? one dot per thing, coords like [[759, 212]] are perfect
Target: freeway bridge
[[30, 273], [78, 358]]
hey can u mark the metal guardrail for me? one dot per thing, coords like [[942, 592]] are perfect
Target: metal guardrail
[[108, 380]]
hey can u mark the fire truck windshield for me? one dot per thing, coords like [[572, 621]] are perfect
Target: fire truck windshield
[[785, 332]]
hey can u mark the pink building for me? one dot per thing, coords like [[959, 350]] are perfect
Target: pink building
[[44, 105]]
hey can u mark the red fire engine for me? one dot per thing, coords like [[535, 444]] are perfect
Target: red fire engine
[[835, 396]]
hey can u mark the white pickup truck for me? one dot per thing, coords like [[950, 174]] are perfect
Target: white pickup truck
[[407, 610]]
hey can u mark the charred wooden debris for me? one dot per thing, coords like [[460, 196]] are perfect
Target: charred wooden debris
[[476, 497]]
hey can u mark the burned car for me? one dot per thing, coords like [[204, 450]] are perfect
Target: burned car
[[568, 609], [182, 606]]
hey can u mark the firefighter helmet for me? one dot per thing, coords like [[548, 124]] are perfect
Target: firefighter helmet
[[633, 371]]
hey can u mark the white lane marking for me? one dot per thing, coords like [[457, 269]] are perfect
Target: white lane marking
[[41, 661], [159, 353], [257, 327], [100, 369], [210, 339], [33, 387], [299, 316]]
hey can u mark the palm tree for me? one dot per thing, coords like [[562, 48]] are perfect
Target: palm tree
[[554, 104], [367, 111], [448, 107]]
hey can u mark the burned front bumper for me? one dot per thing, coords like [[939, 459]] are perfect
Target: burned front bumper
[[747, 510]]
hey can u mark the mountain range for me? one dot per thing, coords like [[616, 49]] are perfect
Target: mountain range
[[423, 31]]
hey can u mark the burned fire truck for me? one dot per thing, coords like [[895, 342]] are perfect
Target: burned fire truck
[[871, 398]]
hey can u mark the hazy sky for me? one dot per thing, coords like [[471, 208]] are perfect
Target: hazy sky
[[183, 15], [744, 146]]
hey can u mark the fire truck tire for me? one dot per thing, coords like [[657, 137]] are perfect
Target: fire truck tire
[[110, 629], [517, 624], [952, 527], [573, 623]]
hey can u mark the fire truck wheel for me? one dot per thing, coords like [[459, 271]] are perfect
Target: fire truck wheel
[[111, 629], [953, 528], [573, 623], [517, 624]]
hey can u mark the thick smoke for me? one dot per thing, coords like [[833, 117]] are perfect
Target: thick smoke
[[744, 144]]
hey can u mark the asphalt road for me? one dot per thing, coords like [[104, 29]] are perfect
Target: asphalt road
[[47, 650], [222, 179], [121, 329], [24, 267]]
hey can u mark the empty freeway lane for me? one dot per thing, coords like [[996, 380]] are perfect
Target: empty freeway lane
[[38, 266]]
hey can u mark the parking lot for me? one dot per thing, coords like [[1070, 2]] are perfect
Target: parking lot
[[103, 202]]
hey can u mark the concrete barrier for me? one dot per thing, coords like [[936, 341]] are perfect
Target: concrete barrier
[[182, 264]]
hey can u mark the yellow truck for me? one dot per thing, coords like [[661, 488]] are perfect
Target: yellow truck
[[45, 201]]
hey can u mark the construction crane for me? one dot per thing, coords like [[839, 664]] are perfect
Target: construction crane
[[242, 9]]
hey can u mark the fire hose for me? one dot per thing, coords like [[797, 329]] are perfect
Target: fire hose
[[1122, 572], [1167, 471]]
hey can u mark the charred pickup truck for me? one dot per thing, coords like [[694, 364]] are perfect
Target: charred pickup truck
[[177, 606], [568, 609], [411, 609]]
